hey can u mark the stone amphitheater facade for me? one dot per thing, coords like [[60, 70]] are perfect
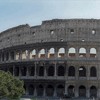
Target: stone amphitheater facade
[[60, 56]]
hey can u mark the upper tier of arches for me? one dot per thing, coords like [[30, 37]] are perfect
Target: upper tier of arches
[[50, 53]]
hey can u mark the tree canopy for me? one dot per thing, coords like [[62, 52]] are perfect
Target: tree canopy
[[10, 87]]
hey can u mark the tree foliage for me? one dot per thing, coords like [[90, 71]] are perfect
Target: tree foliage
[[10, 87]]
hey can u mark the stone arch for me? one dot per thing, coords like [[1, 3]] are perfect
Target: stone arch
[[82, 71], [71, 52], [82, 91], [61, 52], [51, 53], [50, 90], [11, 70], [93, 72], [31, 71], [42, 53], [17, 55], [82, 52], [7, 56], [24, 54], [61, 70], [25, 89], [71, 91], [71, 71], [51, 71], [41, 71], [93, 91], [16, 71], [31, 89], [33, 54], [23, 71], [40, 90], [60, 90], [93, 52]]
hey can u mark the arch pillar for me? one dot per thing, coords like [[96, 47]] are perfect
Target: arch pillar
[[56, 52], [44, 91], [76, 91], [20, 55], [87, 92], [37, 53], [87, 52], [35, 91], [55, 67], [98, 92], [35, 74], [66, 86], [55, 91], [27, 71], [66, 52], [87, 72], [46, 52], [77, 52]]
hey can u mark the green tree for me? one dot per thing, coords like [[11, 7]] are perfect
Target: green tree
[[10, 87]]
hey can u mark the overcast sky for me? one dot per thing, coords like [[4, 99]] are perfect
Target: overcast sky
[[33, 12]]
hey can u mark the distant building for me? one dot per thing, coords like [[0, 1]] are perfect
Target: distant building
[[60, 56]]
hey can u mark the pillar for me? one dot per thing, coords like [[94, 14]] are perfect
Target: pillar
[[55, 74], [77, 52], [76, 92], [55, 91], [35, 74], [87, 93]]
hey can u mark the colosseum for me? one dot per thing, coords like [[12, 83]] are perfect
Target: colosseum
[[59, 57]]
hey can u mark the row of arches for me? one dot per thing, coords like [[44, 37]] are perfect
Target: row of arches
[[82, 71], [82, 91], [59, 90], [52, 71], [44, 53], [60, 53], [47, 91]]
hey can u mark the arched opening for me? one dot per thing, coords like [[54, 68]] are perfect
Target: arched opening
[[16, 71], [11, 70], [61, 52], [51, 53], [50, 90], [31, 89], [82, 52], [71, 52], [60, 90], [25, 89], [24, 54], [82, 91], [41, 71], [42, 53], [82, 71], [12, 55], [93, 72], [93, 91], [51, 71], [23, 71], [31, 71], [33, 54], [61, 70], [93, 52], [17, 56], [71, 91], [7, 56], [40, 90], [71, 71]]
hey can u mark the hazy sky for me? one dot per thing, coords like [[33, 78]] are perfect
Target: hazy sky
[[33, 12]]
